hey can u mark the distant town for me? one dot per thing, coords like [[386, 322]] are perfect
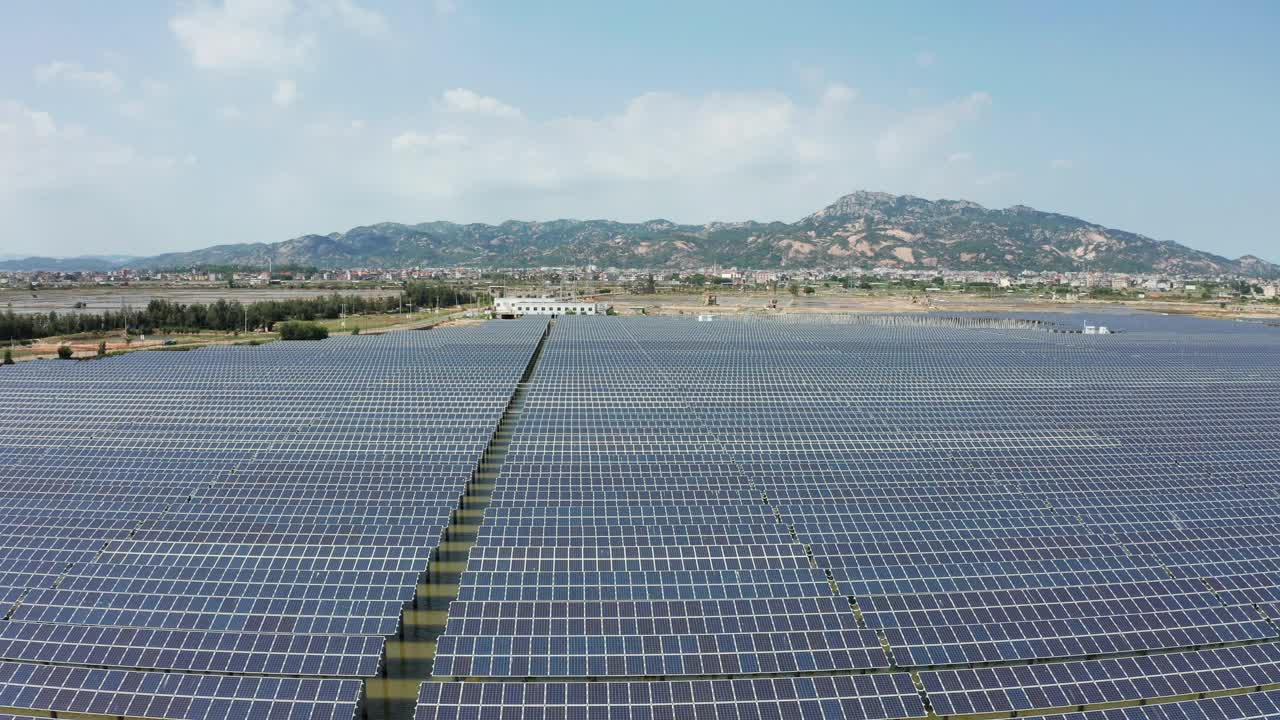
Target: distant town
[[569, 280]]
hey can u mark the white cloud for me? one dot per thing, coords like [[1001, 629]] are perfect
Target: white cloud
[[664, 153], [73, 73], [37, 153], [171, 162], [666, 135], [656, 137], [838, 95], [155, 88], [461, 100], [132, 109], [926, 58], [692, 157], [242, 35], [1061, 164], [328, 130], [286, 94], [271, 35], [411, 141], [358, 18], [963, 156], [907, 140], [446, 7]]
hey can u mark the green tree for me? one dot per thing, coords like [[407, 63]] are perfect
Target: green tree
[[298, 330], [64, 352], [8, 356]]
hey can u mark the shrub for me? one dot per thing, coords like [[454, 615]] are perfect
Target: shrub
[[64, 352], [298, 330], [8, 356]]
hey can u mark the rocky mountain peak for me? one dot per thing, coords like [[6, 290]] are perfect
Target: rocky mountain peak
[[863, 229]]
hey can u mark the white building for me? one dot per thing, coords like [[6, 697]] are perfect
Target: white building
[[517, 306]]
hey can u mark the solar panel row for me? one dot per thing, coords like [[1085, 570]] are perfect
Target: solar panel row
[[981, 493], [858, 697], [660, 557], [233, 514]]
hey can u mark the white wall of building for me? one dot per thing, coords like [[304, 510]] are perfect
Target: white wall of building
[[544, 306]]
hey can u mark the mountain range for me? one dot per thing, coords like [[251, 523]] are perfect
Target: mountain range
[[863, 229]]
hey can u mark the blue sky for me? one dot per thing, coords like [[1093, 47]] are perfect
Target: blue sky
[[141, 127]]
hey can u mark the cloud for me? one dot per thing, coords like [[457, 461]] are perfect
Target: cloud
[[688, 156], [73, 73], [906, 141], [837, 95], [446, 7], [41, 154], [155, 88], [963, 156], [661, 152], [274, 35], [331, 130], [654, 137], [360, 19], [241, 35], [663, 135], [461, 100], [411, 141], [230, 113], [1061, 164], [132, 109], [286, 94], [926, 59]]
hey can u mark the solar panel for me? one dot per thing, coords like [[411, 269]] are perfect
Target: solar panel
[[869, 697], [1024, 688], [254, 515], [1029, 519], [173, 695]]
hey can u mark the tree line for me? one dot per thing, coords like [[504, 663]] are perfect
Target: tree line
[[167, 316]]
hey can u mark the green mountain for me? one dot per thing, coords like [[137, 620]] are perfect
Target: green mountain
[[863, 229]]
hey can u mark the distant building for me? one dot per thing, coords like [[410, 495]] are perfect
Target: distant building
[[518, 306], [1271, 291]]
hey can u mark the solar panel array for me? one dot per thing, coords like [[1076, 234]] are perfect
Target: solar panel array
[[807, 518], [1024, 520], [252, 518], [622, 541]]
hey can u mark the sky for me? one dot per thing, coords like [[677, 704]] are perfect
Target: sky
[[146, 127]]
